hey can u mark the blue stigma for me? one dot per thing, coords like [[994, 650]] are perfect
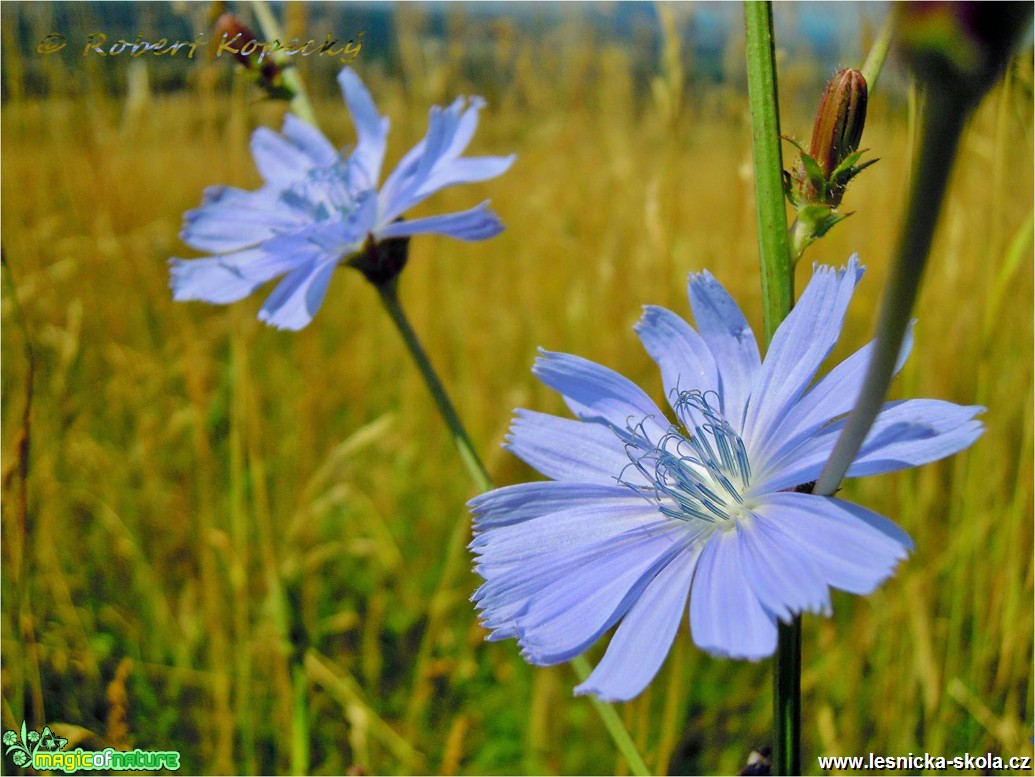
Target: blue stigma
[[694, 472]]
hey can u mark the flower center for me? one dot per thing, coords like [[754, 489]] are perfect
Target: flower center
[[698, 471], [324, 192]]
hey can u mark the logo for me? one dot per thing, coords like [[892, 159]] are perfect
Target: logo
[[44, 751]]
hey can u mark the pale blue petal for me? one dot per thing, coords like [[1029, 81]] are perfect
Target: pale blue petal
[[461, 132], [731, 341], [685, 361], [645, 635], [854, 549], [800, 345], [296, 299], [397, 194], [510, 589], [478, 223], [389, 195], [569, 450], [449, 131], [371, 128], [914, 432], [905, 434], [309, 140], [231, 219], [521, 502], [568, 616], [596, 393], [781, 574], [469, 170], [210, 280], [833, 396], [726, 618], [228, 278], [434, 163], [280, 161], [586, 525]]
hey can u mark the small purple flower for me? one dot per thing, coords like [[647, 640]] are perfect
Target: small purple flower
[[318, 208], [644, 514]]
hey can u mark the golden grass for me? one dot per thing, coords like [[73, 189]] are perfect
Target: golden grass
[[257, 537]]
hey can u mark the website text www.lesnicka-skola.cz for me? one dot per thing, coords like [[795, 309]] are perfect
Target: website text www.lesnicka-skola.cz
[[873, 762]]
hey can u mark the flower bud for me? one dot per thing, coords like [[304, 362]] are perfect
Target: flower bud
[[962, 47], [835, 137], [840, 119]]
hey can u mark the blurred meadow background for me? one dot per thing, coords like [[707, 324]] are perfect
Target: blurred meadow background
[[249, 545]]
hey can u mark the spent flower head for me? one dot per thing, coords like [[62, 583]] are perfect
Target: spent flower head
[[647, 517], [319, 209]]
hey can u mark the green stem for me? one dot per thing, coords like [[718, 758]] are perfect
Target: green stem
[[787, 698], [941, 128], [777, 268], [389, 293], [613, 723], [879, 52], [777, 300], [390, 298]]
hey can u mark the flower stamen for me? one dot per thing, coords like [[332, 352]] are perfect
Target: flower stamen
[[694, 472]]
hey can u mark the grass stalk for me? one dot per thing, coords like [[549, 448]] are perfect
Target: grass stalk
[[879, 52]]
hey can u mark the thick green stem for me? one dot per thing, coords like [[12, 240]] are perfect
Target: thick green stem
[[777, 300], [787, 698], [777, 267], [941, 128], [390, 298]]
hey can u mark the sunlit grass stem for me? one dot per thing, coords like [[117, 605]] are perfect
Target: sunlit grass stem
[[879, 52], [777, 301]]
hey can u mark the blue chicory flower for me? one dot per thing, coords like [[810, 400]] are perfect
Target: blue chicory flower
[[318, 208], [644, 514]]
